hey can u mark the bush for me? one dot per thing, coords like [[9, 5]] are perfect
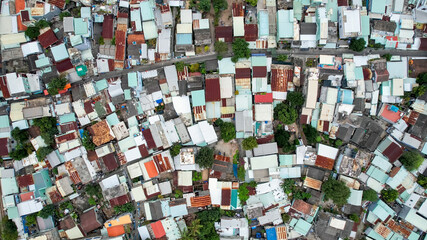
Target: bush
[[31, 219], [370, 195], [47, 211], [387, 56], [252, 2], [411, 160], [241, 173], [354, 217], [180, 66], [285, 113], [286, 217], [92, 201], [197, 176], [113, 41], [175, 149], [389, 195], [338, 143], [178, 193], [228, 131], [32, 32], [194, 67], [205, 157], [101, 41], [42, 24], [422, 180], [87, 141], [218, 122], [288, 186], [282, 58], [64, 14], [240, 49], [301, 195], [249, 143], [127, 207], [57, 84], [336, 190], [43, 152], [357, 45]]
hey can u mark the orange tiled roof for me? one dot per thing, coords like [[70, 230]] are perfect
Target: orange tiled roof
[[101, 132], [136, 38], [324, 162], [201, 201], [116, 231], [151, 169], [312, 183]]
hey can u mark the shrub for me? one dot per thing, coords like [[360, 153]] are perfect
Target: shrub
[[249, 143], [205, 157], [389, 195], [228, 131], [357, 45], [336, 190], [370, 195], [175, 149]]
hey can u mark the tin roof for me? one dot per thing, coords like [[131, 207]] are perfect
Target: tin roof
[[201, 201], [224, 32], [393, 152], [107, 27], [47, 38], [88, 221], [212, 89]]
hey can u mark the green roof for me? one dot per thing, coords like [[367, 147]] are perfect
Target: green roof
[[41, 181], [59, 52], [150, 30], [382, 210], [377, 174], [300, 225], [414, 236], [126, 143], [69, 117], [112, 119], [80, 26], [355, 197], [259, 61], [132, 80], [198, 98], [358, 71], [297, 5], [4, 121], [147, 12], [286, 160], [101, 84], [378, 6], [76, 40], [395, 181], [382, 163], [285, 24], [81, 70], [9, 186], [12, 213], [99, 109], [8, 201], [127, 94], [331, 7]]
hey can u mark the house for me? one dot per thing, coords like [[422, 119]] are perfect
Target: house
[[349, 22], [334, 228], [101, 133], [89, 221], [244, 124], [224, 33], [42, 181], [285, 24], [229, 227], [238, 20]]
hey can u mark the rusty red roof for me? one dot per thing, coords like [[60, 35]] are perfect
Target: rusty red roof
[[251, 32], [149, 138], [238, 10], [243, 73], [212, 90], [107, 27], [143, 150], [47, 38], [3, 86], [25, 15], [393, 152], [302, 206], [66, 127], [224, 32], [324, 162], [55, 196], [58, 3], [226, 197], [259, 72], [3, 147], [119, 200], [201, 201], [64, 65], [158, 229], [25, 180], [120, 45], [89, 221], [265, 98], [110, 162], [280, 79]]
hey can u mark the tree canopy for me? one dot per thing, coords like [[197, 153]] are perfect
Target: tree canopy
[[311, 134], [220, 47], [240, 49], [285, 113], [43, 152], [389, 195], [422, 180], [282, 58], [9, 231], [370, 195], [175, 149], [411, 160], [205, 157], [357, 45], [57, 84], [48, 129], [19, 135], [249, 143], [252, 2], [336, 190], [295, 99], [87, 141], [32, 32], [204, 5], [127, 207], [180, 66], [228, 131], [47, 211], [207, 220], [219, 5]]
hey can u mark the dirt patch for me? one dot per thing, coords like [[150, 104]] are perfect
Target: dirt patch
[[418, 66], [227, 149], [81, 203]]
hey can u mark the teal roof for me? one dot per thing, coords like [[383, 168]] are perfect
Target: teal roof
[[41, 182], [298, 9], [4, 121], [198, 98], [366, 30], [69, 117], [377, 174], [414, 236], [301, 226], [285, 24], [81, 70], [263, 29], [99, 108], [80, 26], [259, 61], [113, 119], [234, 199], [147, 12], [8, 201], [374, 235], [42, 62], [355, 197], [382, 210], [226, 66], [378, 6], [9, 186], [132, 121], [101, 84], [424, 150], [286, 160], [85, 12], [395, 181], [12, 213], [382, 163], [243, 102], [332, 7], [59, 52], [358, 71], [132, 80], [127, 94], [76, 40], [126, 143]]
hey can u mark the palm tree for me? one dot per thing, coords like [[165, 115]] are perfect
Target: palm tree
[[192, 231]]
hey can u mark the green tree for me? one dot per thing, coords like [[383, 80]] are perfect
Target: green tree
[[288, 186], [192, 231], [336, 190], [43, 152], [219, 5], [197, 176], [32, 32], [48, 129], [389, 195], [354, 217], [31, 219], [411, 160], [285, 113], [419, 91], [207, 220], [218, 122], [127, 207], [282, 137], [19, 135], [42, 24], [241, 173], [370, 195], [21, 151], [301, 195], [295, 99], [357, 45], [204, 5], [252, 2], [422, 180], [387, 56], [422, 78], [57, 84], [87, 141], [310, 134], [220, 48], [92, 201], [175, 149], [101, 41], [249, 143], [9, 231], [243, 192], [281, 57], [228, 131], [180, 66], [113, 41], [205, 157], [64, 14], [194, 67], [240, 49], [338, 143], [93, 190], [47, 211], [286, 217], [178, 193]]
